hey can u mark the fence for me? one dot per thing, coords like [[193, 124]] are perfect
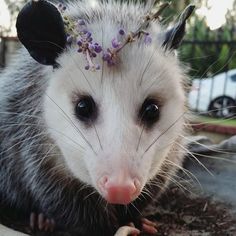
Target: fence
[[8, 46], [213, 69]]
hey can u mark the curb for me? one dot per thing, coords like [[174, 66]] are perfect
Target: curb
[[220, 129]]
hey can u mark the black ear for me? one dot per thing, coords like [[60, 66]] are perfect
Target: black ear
[[174, 36], [40, 28]]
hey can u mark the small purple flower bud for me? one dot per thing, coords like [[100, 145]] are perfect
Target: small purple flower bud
[[69, 39], [79, 43], [64, 8], [81, 22], [98, 67], [94, 54], [89, 34], [91, 47], [106, 57], [60, 5], [110, 62], [87, 67], [115, 43], [147, 39], [98, 48], [90, 40], [121, 32], [79, 50], [84, 31]]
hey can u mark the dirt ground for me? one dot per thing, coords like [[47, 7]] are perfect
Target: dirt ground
[[182, 215]]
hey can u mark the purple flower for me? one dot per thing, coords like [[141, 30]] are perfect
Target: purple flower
[[115, 43], [89, 34], [69, 39], [147, 39], [81, 22], [91, 47], [97, 48], [79, 43], [84, 31], [90, 40], [106, 57], [121, 32], [110, 62]]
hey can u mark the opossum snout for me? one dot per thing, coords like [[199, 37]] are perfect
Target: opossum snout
[[119, 189]]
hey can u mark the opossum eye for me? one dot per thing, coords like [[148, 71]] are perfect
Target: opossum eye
[[149, 112], [86, 109]]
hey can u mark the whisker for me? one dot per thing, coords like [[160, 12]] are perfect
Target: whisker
[[133, 205], [170, 178], [199, 162], [147, 66], [187, 172], [209, 112], [35, 136], [215, 158], [46, 155], [157, 184], [73, 125], [99, 140], [38, 125], [139, 140], [75, 62], [157, 79], [207, 147], [155, 140], [89, 195], [220, 69]]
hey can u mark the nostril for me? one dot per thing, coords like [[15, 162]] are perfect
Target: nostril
[[137, 185], [119, 192], [102, 182]]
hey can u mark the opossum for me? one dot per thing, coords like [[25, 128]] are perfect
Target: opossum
[[91, 149]]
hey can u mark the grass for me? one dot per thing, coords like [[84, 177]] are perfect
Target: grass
[[216, 121]]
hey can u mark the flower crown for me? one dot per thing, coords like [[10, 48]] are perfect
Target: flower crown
[[78, 32], [44, 30]]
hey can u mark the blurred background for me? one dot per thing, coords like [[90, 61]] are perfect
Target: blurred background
[[208, 52]]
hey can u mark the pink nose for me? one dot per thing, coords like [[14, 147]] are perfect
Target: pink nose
[[119, 193]]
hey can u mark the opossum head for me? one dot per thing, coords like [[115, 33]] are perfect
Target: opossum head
[[115, 126]]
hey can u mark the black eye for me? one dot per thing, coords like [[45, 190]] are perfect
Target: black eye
[[149, 112], [86, 109]]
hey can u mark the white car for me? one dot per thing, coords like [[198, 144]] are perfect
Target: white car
[[215, 95]]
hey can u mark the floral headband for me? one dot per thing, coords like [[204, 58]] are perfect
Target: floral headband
[[45, 30]]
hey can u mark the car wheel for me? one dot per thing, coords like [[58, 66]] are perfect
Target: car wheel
[[223, 107]]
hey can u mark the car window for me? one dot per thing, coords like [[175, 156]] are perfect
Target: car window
[[233, 77]]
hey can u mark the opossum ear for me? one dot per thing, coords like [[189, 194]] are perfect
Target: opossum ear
[[40, 28], [174, 36]]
